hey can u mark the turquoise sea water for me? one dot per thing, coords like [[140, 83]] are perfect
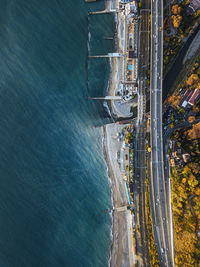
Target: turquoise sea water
[[53, 178]]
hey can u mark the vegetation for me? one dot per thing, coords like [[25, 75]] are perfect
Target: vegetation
[[129, 137], [191, 119], [174, 100], [154, 261], [183, 23], [191, 82], [194, 133], [186, 204], [192, 79], [129, 134], [176, 17]]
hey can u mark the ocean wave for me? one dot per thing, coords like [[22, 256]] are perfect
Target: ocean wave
[[88, 43], [112, 203]]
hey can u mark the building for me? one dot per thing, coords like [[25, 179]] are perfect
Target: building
[[189, 98], [172, 162], [194, 5], [135, 69], [185, 99], [174, 154], [194, 97], [131, 54], [127, 91], [186, 157], [132, 38], [125, 1]]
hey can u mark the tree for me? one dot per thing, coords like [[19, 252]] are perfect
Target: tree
[[176, 20], [174, 101], [198, 71], [194, 133], [176, 9], [193, 78], [191, 119]]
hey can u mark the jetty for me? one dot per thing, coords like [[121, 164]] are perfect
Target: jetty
[[108, 38], [108, 97], [123, 208], [102, 12], [109, 55]]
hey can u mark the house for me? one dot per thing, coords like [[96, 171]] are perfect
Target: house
[[172, 162], [185, 98], [186, 157], [194, 5], [179, 151], [173, 145], [194, 97], [174, 154]]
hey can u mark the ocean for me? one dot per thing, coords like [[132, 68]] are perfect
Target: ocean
[[53, 178]]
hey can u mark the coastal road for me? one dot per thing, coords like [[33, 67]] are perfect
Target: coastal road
[[159, 197], [140, 147]]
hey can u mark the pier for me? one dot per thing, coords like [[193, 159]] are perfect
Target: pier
[[110, 55], [102, 12], [106, 98], [108, 38], [123, 208]]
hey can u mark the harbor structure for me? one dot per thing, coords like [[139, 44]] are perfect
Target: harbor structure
[[127, 58]]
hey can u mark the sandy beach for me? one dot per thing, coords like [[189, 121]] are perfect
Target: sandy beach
[[122, 247], [122, 244]]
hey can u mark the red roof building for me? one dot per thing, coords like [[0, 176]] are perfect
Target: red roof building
[[194, 97], [185, 98], [195, 5]]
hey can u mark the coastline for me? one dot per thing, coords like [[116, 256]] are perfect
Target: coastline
[[121, 248], [119, 109], [121, 253]]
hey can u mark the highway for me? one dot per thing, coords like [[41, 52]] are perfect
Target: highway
[[158, 195]]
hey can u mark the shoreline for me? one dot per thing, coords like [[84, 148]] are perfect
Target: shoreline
[[112, 200], [121, 246]]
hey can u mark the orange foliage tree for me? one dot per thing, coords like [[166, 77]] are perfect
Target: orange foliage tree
[[176, 20], [193, 78], [176, 9], [174, 101], [176, 17], [194, 133], [191, 119]]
